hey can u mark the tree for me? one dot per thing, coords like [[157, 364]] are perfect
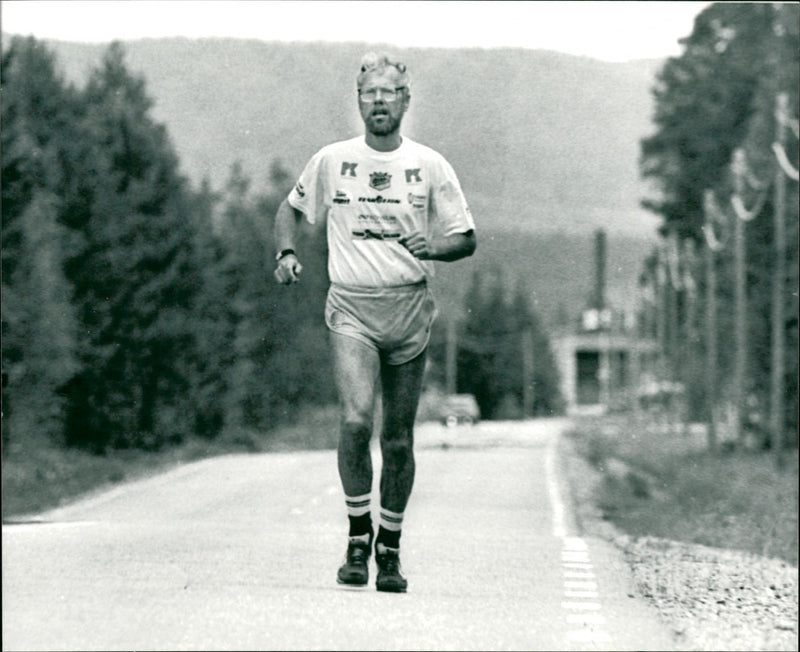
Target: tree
[[134, 278], [492, 351], [714, 103], [40, 129]]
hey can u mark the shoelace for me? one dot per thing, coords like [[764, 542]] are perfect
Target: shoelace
[[390, 563], [357, 553]]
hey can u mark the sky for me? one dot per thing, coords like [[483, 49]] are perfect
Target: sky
[[607, 30]]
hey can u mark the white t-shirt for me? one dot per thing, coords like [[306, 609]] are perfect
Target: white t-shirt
[[371, 199]]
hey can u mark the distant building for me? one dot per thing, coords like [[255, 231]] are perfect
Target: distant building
[[601, 358]]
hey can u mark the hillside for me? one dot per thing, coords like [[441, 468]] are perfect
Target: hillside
[[556, 268], [540, 140], [545, 144]]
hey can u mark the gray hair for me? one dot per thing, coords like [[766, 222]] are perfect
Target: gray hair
[[372, 62]]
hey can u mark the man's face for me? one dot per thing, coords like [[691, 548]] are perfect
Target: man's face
[[383, 115]]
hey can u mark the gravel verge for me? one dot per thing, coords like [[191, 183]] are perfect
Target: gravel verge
[[711, 598]]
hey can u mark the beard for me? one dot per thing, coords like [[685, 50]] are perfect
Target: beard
[[382, 124]]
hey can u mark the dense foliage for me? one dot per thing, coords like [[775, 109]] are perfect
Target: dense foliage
[[718, 97], [498, 336], [137, 311]]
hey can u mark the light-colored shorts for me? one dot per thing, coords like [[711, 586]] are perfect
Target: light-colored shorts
[[394, 321]]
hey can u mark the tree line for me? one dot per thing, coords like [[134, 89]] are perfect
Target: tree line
[[138, 311], [720, 291]]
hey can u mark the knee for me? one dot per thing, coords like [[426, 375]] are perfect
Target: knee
[[357, 432], [397, 446]]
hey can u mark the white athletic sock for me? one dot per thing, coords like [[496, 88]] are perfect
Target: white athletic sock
[[391, 520], [357, 505]]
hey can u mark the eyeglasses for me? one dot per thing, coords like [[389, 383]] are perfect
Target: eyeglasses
[[387, 94]]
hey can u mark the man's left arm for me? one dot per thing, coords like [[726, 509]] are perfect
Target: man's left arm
[[446, 248]]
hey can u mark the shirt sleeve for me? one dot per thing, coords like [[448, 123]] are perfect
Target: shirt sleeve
[[450, 211], [308, 194]]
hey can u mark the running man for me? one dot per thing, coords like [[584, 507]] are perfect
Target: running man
[[392, 206]]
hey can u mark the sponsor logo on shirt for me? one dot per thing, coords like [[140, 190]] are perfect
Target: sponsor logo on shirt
[[298, 187], [380, 180], [348, 169], [341, 197], [379, 200], [417, 201], [378, 218], [413, 176], [375, 234]]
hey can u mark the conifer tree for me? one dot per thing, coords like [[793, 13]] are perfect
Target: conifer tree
[[40, 129], [134, 278]]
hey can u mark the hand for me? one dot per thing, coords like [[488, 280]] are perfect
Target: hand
[[288, 270], [418, 245]]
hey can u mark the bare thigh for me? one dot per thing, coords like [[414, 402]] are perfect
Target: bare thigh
[[356, 366]]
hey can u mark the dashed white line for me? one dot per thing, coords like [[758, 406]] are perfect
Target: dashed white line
[[580, 589], [581, 606], [586, 586], [579, 574]]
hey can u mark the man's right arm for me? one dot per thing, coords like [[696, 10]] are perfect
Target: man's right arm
[[286, 221]]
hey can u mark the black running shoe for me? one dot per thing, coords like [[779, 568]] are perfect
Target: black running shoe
[[389, 576], [355, 570]]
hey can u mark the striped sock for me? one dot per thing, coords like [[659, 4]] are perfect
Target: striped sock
[[358, 513], [391, 524]]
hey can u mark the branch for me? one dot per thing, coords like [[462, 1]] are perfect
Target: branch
[[784, 162]]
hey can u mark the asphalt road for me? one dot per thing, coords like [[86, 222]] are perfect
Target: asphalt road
[[241, 552]]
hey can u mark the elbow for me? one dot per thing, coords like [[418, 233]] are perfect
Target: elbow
[[471, 244]]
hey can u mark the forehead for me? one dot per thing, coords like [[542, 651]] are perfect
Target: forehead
[[387, 76]]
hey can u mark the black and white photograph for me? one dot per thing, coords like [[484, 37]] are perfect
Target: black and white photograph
[[400, 325]]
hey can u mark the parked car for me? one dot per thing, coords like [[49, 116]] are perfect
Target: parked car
[[460, 409]]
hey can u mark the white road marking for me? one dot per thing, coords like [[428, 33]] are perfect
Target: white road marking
[[587, 575], [9, 528], [585, 586], [570, 555], [581, 606], [580, 592], [557, 505]]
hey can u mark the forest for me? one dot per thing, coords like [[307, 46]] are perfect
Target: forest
[[139, 311], [721, 287]]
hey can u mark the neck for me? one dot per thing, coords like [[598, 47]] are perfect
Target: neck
[[384, 143]]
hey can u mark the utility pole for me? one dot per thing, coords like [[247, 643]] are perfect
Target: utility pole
[[527, 372], [740, 302], [451, 368], [778, 280], [711, 321]]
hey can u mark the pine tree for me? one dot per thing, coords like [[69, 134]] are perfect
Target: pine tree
[[39, 132], [134, 278], [717, 98]]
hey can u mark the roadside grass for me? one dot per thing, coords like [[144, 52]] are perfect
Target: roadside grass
[[37, 475], [657, 481]]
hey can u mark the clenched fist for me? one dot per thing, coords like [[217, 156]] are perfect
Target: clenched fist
[[288, 270]]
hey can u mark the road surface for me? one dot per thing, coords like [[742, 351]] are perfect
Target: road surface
[[241, 552]]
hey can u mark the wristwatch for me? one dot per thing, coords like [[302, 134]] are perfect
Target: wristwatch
[[283, 252]]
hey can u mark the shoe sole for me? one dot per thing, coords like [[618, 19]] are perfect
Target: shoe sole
[[353, 580], [389, 588]]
